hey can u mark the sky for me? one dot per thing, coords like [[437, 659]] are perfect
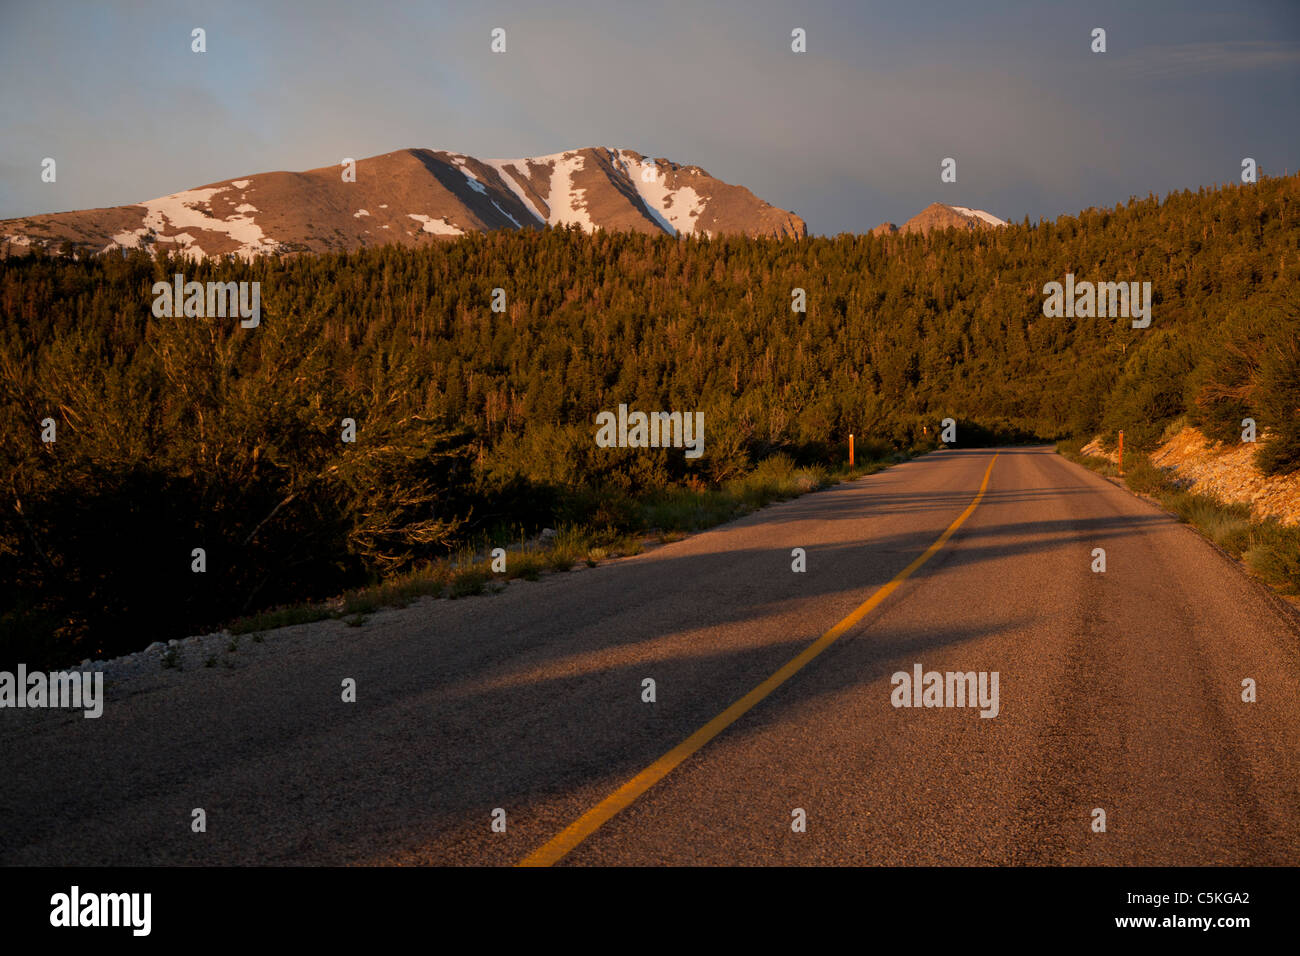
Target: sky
[[847, 135]]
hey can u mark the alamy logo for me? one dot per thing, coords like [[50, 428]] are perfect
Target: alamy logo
[[951, 689], [652, 430], [56, 689], [217, 300], [1086, 300], [75, 908]]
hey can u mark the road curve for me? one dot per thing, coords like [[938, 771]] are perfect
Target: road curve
[[1119, 691]]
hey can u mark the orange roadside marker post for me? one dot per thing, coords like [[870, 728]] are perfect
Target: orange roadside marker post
[[1121, 454], [850, 449]]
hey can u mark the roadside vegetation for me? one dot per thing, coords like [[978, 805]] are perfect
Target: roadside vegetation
[[1270, 549], [661, 518]]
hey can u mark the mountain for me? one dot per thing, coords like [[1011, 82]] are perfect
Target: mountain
[[941, 216], [416, 196]]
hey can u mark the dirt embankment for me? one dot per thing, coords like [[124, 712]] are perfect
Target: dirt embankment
[[1226, 471]]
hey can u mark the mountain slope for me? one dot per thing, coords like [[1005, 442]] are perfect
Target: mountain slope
[[415, 196]]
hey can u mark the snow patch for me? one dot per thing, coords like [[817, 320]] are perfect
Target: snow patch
[[564, 202], [566, 205], [474, 184], [439, 227], [192, 209], [676, 210], [507, 215], [510, 175], [359, 213], [979, 214], [240, 183]]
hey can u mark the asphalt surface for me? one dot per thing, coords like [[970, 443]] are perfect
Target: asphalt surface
[[1119, 690]]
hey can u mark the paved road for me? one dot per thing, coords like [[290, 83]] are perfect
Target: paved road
[[1119, 691]]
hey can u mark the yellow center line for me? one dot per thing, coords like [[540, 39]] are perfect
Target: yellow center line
[[564, 842]]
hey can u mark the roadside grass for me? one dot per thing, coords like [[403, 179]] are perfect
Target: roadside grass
[[1270, 549], [280, 617], [682, 510], [1073, 450], [663, 517]]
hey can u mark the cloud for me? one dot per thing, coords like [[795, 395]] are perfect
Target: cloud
[[1197, 59]]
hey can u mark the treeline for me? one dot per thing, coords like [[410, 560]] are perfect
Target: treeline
[[180, 433]]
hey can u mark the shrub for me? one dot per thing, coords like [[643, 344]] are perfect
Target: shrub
[[1144, 477]]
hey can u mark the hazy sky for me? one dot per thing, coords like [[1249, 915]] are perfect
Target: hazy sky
[[847, 135]]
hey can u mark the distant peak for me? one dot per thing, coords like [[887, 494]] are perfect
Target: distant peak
[[940, 215]]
